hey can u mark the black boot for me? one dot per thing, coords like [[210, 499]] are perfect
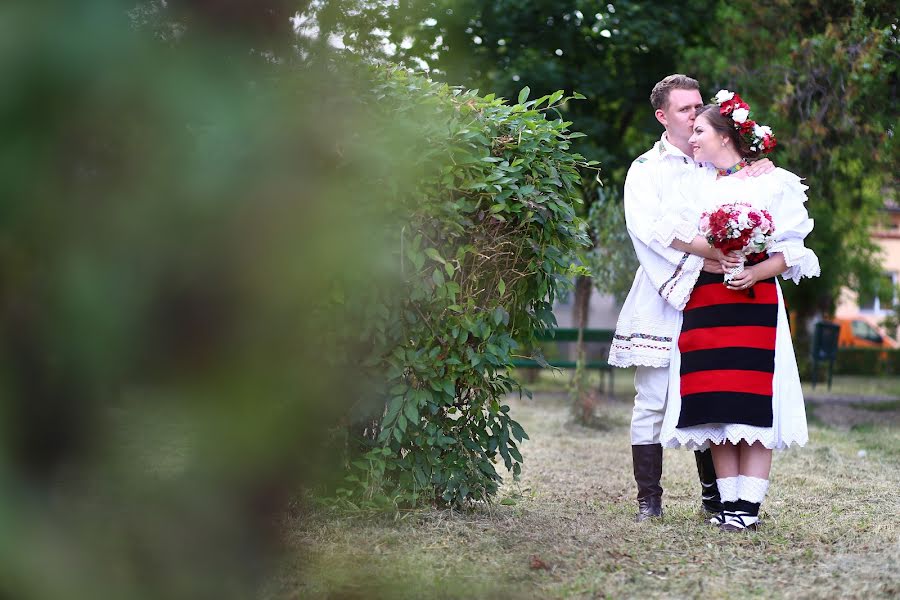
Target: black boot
[[647, 472], [710, 499]]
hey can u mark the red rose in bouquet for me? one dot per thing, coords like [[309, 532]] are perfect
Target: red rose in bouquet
[[738, 227]]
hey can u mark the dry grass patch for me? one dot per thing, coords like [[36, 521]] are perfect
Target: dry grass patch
[[830, 528]]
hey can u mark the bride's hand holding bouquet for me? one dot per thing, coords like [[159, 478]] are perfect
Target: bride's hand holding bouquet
[[738, 232]]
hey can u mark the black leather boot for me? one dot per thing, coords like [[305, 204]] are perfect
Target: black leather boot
[[647, 473], [710, 499]]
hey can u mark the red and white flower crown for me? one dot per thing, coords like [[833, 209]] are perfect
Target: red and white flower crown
[[759, 137]]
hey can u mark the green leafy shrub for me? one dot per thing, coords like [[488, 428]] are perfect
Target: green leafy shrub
[[892, 362], [860, 361], [484, 245]]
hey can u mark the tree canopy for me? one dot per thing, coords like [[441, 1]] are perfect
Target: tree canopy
[[824, 75]]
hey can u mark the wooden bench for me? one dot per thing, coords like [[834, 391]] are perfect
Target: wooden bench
[[596, 360]]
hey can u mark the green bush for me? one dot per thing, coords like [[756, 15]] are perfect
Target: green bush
[[892, 362], [866, 361], [860, 361], [484, 244]]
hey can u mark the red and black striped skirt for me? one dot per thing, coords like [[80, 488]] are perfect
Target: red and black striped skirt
[[727, 347]]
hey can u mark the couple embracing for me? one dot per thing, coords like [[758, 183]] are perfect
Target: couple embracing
[[709, 336]]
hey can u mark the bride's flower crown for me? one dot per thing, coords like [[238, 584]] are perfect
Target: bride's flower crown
[[758, 137]]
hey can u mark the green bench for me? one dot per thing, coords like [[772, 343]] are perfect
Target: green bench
[[592, 337]]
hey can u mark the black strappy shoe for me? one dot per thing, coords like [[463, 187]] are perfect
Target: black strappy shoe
[[739, 521]]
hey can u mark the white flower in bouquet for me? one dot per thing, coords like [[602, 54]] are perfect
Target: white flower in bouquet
[[758, 242]]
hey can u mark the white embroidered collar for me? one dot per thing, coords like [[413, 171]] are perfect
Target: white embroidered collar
[[666, 149]]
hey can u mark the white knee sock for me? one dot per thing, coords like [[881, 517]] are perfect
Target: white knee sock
[[728, 488], [752, 489]]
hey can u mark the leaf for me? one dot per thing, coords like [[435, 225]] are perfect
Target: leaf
[[508, 502], [515, 453], [384, 435], [411, 412], [518, 432], [449, 387], [433, 254], [540, 100], [501, 286], [393, 410], [523, 94]]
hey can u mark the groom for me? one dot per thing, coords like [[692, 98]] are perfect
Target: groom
[[646, 328]]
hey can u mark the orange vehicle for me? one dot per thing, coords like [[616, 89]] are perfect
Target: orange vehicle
[[859, 332]]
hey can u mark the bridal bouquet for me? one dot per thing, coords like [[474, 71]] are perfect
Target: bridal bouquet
[[738, 226]]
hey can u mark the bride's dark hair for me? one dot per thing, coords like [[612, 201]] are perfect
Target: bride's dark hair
[[725, 126]]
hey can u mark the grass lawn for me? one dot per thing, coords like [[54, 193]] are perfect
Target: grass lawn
[[841, 386], [831, 526]]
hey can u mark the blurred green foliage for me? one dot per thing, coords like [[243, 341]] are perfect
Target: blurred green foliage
[[203, 227], [174, 218], [867, 361]]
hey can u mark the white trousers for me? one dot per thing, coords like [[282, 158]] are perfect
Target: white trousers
[[651, 385]]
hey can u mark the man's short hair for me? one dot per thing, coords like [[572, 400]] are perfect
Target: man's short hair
[[659, 97]]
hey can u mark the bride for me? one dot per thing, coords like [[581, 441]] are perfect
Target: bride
[[733, 379]]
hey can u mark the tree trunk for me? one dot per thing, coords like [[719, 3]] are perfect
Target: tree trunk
[[584, 399], [581, 307]]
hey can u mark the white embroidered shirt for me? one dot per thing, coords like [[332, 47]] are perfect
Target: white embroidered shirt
[[647, 324]]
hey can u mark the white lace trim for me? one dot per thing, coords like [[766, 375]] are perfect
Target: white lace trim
[[668, 230], [801, 261], [623, 354], [700, 437], [637, 361]]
